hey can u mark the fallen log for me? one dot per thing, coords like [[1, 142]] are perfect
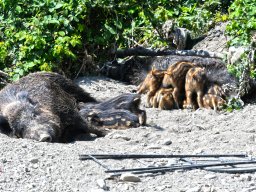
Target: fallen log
[[141, 51]]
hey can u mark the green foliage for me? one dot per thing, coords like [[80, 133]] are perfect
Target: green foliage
[[234, 103], [241, 27], [242, 21], [55, 34], [39, 35]]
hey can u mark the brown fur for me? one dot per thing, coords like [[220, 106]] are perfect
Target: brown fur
[[36, 107], [163, 99], [215, 89], [195, 83], [175, 77], [112, 118], [126, 101], [213, 101], [151, 84]]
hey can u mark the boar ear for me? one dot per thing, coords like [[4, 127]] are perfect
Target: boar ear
[[4, 126], [22, 96]]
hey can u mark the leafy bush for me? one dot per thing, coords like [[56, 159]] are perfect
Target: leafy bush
[[39, 35], [61, 35], [242, 21], [241, 27]]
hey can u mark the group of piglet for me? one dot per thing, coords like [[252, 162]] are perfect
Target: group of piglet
[[48, 107], [182, 85]]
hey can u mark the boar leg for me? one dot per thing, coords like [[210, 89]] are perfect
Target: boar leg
[[149, 96], [189, 101], [200, 99]]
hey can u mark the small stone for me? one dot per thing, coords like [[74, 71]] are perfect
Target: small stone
[[102, 184], [129, 177], [4, 160], [210, 176], [34, 160], [26, 169], [24, 146], [144, 144], [167, 142]]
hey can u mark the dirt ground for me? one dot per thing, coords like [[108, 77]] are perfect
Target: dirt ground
[[27, 165]]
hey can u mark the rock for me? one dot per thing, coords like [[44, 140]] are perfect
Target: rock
[[4, 160], [215, 41], [129, 177], [34, 160], [102, 184], [210, 176], [167, 142], [235, 54], [26, 169]]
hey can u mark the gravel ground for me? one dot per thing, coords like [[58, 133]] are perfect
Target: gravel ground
[[27, 165]]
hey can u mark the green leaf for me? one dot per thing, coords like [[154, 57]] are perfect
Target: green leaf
[[18, 9], [110, 29], [59, 5], [62, 33]]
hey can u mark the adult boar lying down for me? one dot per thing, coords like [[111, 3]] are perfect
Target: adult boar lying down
[[39, 107]]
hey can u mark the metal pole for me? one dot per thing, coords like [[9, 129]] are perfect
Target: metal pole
[[166, 169], [138, 156]]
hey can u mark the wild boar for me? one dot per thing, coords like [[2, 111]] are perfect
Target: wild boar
[[213, 101], [195, 84], [36, 107], [215, 89], [112, 118], [151, 84], [163, 99], [175, 77], [67, 85], [126, 101]]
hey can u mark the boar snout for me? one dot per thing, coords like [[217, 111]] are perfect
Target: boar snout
[[45, 138]]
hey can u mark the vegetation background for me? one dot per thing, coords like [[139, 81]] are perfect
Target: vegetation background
[[72, 36]]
